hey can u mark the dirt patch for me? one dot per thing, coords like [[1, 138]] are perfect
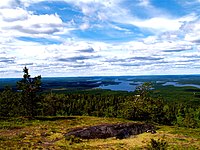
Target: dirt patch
[[9, 133]]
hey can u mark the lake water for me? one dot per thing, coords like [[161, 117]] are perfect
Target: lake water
[[116, 83], [122, 86], [180, 85]]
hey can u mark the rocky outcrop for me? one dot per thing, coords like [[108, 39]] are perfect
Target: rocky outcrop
[[120, 131]]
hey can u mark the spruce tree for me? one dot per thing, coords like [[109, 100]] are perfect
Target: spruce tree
[[29, 87]]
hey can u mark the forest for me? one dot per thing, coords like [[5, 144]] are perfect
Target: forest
[[141, 105]]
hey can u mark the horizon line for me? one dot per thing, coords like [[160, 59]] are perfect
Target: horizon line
[[106, 76]]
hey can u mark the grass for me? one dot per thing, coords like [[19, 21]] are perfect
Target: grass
[[49, 133]]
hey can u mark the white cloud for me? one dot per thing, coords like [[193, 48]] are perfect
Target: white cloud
[[192, 31], [39, 54], [160, 24], [84, 26], [168, 44], [10, 15], [113, 11], [37, 24], [107, 3], [8, 3], [21, 21], [145, 3], [164, 24]]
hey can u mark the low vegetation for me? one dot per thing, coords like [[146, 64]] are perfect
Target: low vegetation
[[49, 133]]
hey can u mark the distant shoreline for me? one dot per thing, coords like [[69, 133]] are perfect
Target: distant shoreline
[[115, 83]]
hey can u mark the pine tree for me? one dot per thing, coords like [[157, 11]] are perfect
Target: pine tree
[[29, 87]]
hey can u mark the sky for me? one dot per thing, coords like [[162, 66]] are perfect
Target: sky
[[61, 38]]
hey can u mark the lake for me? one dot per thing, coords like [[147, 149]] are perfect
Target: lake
[[116, 83]]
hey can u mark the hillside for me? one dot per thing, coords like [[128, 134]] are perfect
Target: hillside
[[49, 133]]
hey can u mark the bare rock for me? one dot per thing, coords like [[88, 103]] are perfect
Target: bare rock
[[120, 131]]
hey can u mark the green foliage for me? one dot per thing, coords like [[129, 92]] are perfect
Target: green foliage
[[141, 105], [24, 101], [29, 87], [171, 94], [72, 139], [144, 90], [169, 114], [10, 103], [159, 144], [188, 116]]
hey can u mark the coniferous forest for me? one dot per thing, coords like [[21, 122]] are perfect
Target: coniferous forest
[[141, 105]]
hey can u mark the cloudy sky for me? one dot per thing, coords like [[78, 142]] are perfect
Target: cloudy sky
[[99, 37]]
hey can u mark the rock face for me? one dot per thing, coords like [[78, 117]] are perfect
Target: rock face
[[104, 131]]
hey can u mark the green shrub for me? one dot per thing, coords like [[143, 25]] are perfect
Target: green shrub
[[72, 139], [159, 144]]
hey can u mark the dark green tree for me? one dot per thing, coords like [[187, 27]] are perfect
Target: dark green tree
[[9, 103], [143, 106], [29, 87], [144, 90]]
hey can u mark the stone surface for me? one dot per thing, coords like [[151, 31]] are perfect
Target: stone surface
[[104, 131]]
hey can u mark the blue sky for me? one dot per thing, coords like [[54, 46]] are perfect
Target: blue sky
[[99, 37]]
